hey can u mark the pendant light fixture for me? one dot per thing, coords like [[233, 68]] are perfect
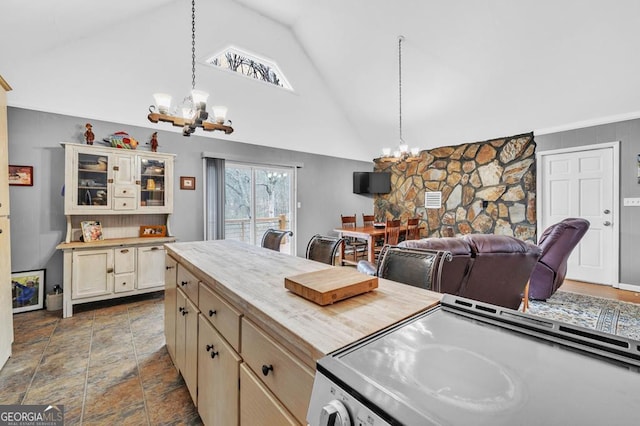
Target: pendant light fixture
[[402, 152], [193, 109]]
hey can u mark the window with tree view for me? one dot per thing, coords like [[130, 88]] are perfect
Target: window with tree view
[[256, 199], [249, 65]]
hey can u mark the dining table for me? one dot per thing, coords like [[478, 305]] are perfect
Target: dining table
[[369, 233]]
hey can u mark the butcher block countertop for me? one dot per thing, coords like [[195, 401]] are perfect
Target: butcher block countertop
[[252, 279]]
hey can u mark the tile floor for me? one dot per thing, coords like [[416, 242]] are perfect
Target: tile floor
[[107, 364]]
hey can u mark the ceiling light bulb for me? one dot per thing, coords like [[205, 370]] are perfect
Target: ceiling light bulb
[[415, 151], [199, 98], [386, 152], [403, 148], [163, 102], [220, 113]]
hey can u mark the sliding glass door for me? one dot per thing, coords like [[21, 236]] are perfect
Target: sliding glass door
[[258, 198]]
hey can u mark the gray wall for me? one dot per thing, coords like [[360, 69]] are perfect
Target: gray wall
[[37, 213], [628, 133]]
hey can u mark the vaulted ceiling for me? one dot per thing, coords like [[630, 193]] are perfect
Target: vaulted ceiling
[[471, 69]]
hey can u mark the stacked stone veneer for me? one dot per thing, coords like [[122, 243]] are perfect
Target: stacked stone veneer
[[499, 172]]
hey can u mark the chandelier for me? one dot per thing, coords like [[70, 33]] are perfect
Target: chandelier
[[193, 108], [402, 152]]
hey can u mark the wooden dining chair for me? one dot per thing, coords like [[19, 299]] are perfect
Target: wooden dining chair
[[368, 219], [353, 246], [392, 232], [413, 229]]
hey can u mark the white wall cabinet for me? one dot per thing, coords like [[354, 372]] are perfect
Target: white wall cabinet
[[123, 190], [6, 297], [102, 180], [93, 273], [149, 275]]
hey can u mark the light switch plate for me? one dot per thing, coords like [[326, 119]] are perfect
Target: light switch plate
[[632, 202]]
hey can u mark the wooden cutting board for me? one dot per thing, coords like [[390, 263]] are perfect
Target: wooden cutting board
[[330, 285]]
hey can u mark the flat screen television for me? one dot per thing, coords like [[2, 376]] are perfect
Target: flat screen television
[[371, 182]]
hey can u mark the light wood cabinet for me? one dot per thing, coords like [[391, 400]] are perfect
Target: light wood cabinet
[[225, 338], [187, 342], [170, 305], [258, 407], [281, 335], [218, 377], [289, 380]]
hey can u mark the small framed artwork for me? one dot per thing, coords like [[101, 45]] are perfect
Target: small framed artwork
[[91, 230], [187, 182], [27, 290], [21, 175], [153, 231]]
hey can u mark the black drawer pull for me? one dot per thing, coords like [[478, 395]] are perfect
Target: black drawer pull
[[213, 353], [266, 369], [183, 283], [169, 267], [212, 313]]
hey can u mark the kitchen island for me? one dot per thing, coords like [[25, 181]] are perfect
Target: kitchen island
[[228, 317]]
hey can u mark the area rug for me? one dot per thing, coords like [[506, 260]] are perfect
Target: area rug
[[609, 316]]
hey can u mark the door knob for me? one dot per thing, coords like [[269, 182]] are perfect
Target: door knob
[[607, 211], [607, 223]]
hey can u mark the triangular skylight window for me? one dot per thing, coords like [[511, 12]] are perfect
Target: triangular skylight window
[[249, 65]]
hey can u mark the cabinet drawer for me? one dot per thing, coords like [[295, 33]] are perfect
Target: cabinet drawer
[[125, 191], [258, 407], [124, 203], [124, 282], [289, 380], [124, 260], [188, 283], [222, 315]]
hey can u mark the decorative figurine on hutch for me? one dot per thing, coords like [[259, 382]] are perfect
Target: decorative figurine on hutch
[[88, 135], [154, 142], [121, 140]]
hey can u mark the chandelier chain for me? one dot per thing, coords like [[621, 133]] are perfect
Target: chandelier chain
[[400, 39], [193, 44]]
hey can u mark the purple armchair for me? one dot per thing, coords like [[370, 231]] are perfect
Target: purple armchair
[[489, 268], [557, 242]]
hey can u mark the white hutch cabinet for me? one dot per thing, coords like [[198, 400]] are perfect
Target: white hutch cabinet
[[123, 190]]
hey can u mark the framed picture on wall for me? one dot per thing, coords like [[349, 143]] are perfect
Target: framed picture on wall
[[27, 290], [21, 175], [187, 182]]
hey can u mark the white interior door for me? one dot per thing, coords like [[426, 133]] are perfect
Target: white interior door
[[582, 183]]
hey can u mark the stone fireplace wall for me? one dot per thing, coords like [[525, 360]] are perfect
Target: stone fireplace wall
[[487, 187]]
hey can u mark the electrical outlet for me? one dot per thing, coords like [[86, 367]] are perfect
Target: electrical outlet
[[632, 202]]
